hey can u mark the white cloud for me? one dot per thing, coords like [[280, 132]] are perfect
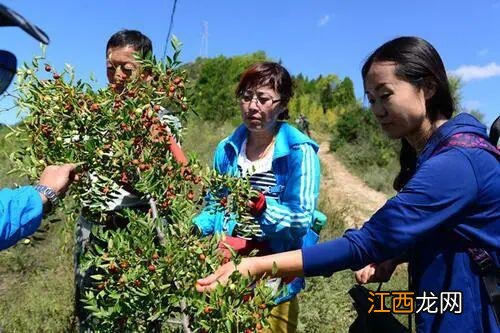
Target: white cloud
[[324, 20], [483, 52], [473, 72]]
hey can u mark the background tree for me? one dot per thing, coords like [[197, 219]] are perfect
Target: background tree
[[456, 86], [344, 93], [326, 97]]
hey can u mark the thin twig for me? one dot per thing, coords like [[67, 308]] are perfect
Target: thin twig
[[185, 317], [154, 211]]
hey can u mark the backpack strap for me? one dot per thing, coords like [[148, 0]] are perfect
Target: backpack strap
[[468, 140], [490, 274], [488, 270]]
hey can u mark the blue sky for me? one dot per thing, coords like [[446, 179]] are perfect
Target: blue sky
[[312, 37]]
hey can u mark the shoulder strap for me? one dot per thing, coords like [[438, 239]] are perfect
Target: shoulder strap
[[468, 140], [490, 274]]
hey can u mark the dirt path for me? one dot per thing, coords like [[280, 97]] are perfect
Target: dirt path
[[345, 191]]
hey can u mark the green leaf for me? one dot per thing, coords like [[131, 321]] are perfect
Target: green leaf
[[275, 269], [229, 326], [156, 315]]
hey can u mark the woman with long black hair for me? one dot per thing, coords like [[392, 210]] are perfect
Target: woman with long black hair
[[446, 215]]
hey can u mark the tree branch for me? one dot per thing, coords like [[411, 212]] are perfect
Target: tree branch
[[185, 317], [154, 211]]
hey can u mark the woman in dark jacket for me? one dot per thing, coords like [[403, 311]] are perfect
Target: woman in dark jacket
[[448, 203]]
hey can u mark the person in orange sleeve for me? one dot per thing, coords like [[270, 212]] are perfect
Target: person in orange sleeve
[[121, 66]]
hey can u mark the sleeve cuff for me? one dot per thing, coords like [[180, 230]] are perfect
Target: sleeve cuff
[[328, 257], [36, 196]]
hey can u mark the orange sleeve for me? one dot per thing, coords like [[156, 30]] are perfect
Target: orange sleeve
[[176, 151]]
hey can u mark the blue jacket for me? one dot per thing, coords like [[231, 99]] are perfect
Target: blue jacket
[[454, 196], [285, 221], [20, 214]]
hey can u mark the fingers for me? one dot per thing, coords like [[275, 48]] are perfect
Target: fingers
[[58, 177], [375, 272], [70, 167], [366, 274], [220, 276], [358, 275], [72, 175], [370, 273], [69, 172], [208, 283]]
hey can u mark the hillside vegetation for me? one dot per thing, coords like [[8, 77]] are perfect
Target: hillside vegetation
[[36, 279]]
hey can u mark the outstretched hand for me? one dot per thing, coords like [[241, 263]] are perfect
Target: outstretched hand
[[222, 274], [376, 272], [58, 177], [274, 265]]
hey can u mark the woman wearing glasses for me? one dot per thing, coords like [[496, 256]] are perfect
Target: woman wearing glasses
[[282, 165]]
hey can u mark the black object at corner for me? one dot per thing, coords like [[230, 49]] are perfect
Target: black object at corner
[[375, 322]]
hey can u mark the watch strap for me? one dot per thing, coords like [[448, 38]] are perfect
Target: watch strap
[[48, 192]]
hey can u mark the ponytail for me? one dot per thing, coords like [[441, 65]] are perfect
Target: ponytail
[[408, 163]]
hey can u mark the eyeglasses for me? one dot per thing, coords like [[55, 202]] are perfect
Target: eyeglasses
[[8, 64], [262, 100]]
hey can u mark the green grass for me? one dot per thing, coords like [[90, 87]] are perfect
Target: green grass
[[201, 137], [36, 288], [325, 305], [36, 280], [359, 159]]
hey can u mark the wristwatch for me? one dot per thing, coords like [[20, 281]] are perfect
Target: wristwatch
[[48, 192]]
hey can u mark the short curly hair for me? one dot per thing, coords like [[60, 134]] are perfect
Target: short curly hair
[[270, 74]]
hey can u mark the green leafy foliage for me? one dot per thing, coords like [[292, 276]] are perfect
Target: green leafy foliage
[[144, 273], [343, 94]]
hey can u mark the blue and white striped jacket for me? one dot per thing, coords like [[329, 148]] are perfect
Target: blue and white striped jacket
[[287, 219]]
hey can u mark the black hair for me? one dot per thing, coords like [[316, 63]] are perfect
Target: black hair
[[418, 63], [136, 39], [495, 132]]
